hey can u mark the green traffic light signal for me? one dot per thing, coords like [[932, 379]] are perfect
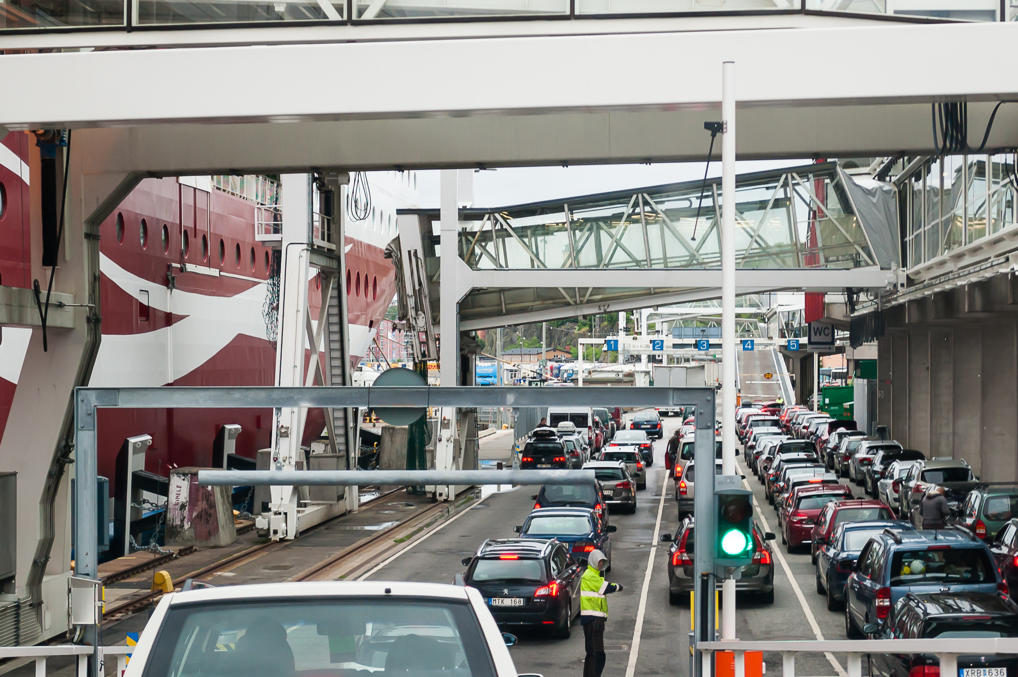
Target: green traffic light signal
[[734, 527]]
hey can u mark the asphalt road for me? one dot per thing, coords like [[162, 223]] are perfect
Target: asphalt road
[[658, 645]]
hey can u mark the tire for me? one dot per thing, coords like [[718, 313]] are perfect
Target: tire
[[832, 603], [812, 555], [674, 598], [564, 628], [767, 597], [783, 538], [632, 509], [820, 585], [641, 487], [850, 630]]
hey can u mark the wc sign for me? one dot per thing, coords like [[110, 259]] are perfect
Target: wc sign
[[821, 334]]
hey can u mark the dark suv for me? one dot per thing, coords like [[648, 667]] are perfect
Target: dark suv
[[885, 456], [544, 449], [527, 582], [572, 496], [895, 563], [964, 614], [988, 508]]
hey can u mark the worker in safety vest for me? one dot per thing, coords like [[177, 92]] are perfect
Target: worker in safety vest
[[594, 612]]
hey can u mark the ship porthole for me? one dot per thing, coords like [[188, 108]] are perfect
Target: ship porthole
[[252, 259], [348, 287], [143, 233], [3, 200], [204, 247], [374, 288], [236, 254], [120, 227], [268, 261], [166, 238], [222, 251], [358, 284], [185, 244]]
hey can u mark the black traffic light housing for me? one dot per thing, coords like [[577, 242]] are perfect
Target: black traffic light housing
[[733, 541]]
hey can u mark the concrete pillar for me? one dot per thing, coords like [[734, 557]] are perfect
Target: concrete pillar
[[899, 387], [884, 371], [999, 442], [918, 402], [941, 423], [967, 413]]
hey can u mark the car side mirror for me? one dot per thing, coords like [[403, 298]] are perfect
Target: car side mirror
[[509, 639], [666, 538], [466, 561], [871, 628], [611, 528], [769, 536], [533, 497]]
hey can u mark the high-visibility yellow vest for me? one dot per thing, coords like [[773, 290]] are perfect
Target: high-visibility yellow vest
[[592, 591]]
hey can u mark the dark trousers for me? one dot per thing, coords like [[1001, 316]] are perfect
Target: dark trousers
[[593, 644]]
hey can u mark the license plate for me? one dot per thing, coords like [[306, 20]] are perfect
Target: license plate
[[510, 601], [609, 492], [984, 672], [544, 465]]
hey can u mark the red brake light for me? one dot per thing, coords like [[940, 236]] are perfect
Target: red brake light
[[559, 459], [682, 491], [924, 671], [550, 590], [938, 547], [508, 556], [1015, 561], [625, 484], [680, 558], [1002, 588], [883, 603], [527, 459], [762, 557], [816, 480], [632, 426], [980, 528], [589, 547], [639, 465], [916, 489], [537, 506], [659, 424]]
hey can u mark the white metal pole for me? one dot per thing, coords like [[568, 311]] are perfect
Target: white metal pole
[[728, 309]]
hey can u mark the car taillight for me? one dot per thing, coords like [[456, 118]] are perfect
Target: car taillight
[[678, 472], [537, 506], [1002, 588], [682, 488], [632, 426], [883, 603], [980, 528], [599, 508], [625, 484], [583, 547], [646, 446], [659, 424], [925, 671], [916, 489], [550, 590], [559, 459], [798, 516], [527, 459], [508, 556], [681, 558], [762, 557], [639, 465]]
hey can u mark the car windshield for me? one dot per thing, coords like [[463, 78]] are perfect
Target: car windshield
[[862, 515], [328, 635], [624, 456], [688, 450], [763, 423], [1005, 626], [646, 418], [794, 447], [818, 502], [1001, 507], [903, 470], [558, 525], [852, 444], [608, 474], [569, 493], [630, 436], [942, 563], [941, 475], [579, 418], [523, 570], [690, 471], [855, 539]]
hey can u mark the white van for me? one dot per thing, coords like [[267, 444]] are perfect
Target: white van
[[581, 417]]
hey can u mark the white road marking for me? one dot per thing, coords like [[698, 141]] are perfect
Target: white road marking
[[810, 618], [420, 540], [634, 651]]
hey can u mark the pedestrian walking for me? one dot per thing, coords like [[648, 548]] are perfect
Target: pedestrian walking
[[594, 612], [672, 449]]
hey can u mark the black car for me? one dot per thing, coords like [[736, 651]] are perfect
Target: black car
[[649, 422], [945, 615], [756, 578], [874, 472], [544, 449], [527, 582], [580, 529], [572, 496]]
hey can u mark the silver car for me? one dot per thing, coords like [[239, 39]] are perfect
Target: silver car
[[685, 489], [617, 484], [632, 459], [885, 487]]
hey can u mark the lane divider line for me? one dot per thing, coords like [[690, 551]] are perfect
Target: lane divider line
[[392, 558], [810, 618], [634, 647]]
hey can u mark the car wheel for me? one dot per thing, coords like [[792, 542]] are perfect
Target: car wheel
[[850, 629], [767, 597], [783, 537], [832, 603], [564, 628], [632, 508], [812, 555], [820, 584], [641, 487], [674, 598]]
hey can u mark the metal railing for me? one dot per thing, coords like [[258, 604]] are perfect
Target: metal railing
[[40, 655], [946, 650]]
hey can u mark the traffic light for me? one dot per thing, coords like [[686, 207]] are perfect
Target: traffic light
[[734, 546]]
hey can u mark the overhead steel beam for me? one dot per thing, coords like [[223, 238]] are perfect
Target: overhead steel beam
[[312, 478], [800, 279]]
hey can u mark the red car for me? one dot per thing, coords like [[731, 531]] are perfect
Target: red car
[[833, 514], [803, 509]]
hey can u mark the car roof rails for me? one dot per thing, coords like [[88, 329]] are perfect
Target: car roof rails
[[964, 531], [894, 535]]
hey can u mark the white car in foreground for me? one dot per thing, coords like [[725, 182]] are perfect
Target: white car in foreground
[[329, 629]]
